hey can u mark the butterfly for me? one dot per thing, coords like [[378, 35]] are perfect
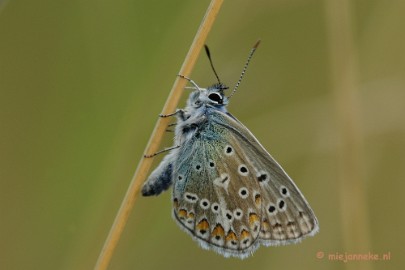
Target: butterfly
[[229, 193]]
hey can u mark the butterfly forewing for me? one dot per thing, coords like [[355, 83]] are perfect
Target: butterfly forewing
[[286, 215]]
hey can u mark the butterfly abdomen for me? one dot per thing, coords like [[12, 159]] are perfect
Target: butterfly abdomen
[[160, 179]]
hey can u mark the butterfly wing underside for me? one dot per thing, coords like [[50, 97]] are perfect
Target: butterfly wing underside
[[231, 195], [214, 204], [286, 215]]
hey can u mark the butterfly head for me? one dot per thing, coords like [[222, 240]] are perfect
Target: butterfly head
[[212, 96]]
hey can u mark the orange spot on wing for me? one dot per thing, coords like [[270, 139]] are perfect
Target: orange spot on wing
[[203, 225], [218, 231], [244, 234], [265, 225], [258, 199], [253, 218], [231, 236], [182, 213]]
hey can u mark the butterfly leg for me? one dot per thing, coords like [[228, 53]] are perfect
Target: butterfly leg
[[180, 113], [168, 129], [161, 151], [190, 80], [160, 179]]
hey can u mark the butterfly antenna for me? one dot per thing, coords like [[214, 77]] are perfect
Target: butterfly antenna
[[245, 67], [207, 50]]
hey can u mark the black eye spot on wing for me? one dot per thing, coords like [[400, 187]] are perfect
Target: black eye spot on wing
[[211, 163], [243, 170], [262, 177], [190, 197], [284, 191], [228, 150], [243, 192]]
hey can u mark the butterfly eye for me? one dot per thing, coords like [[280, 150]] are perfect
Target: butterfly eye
[[215, 97]]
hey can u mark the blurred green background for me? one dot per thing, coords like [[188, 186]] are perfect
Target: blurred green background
[[82, 83]]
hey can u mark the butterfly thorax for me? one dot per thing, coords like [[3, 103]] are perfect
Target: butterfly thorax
[[199, 108]]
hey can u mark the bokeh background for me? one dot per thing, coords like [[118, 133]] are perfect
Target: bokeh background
[[82, 83]]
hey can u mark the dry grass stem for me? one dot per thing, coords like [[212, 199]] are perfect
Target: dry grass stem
[[344, 75], [156, 138]]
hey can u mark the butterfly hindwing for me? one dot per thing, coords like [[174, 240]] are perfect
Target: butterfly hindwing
[[216, 198]]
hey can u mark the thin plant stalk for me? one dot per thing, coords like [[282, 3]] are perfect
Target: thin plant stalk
[[352, 185], [156, 138]]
